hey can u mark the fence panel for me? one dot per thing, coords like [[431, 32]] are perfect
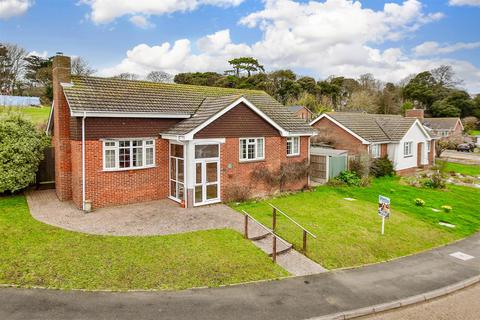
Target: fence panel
[[19, 101], [318, 166]]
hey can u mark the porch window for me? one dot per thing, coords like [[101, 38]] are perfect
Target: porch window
[[407, 149], [128, 154], [252, 149], [293, 146], [375, 151]]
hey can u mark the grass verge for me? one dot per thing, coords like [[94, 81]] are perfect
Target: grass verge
[[35, 254], [466, 169], [349, 231]]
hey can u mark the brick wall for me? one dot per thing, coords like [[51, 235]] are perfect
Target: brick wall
[[234, 172], [61, 131], [304, 114], [338, 137], [106, 188]]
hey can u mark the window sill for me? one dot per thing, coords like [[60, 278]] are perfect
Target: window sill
[[293, 155], [410, 156], [128, 169], [251, 161]]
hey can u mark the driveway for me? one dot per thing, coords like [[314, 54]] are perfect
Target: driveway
[[294, 298], [461, 157]]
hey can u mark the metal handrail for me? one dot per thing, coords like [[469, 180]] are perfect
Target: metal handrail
[[295, 222], [266, 228]]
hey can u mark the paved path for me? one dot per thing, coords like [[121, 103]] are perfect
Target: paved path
[[160, 217], [295, 298], [461, 157], [462, 305]]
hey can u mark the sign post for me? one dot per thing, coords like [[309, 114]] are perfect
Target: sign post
[[383, 210]]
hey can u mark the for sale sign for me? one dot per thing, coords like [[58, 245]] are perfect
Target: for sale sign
[[383, 206]]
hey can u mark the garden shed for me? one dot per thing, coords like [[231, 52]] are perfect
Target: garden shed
[[327, 163]]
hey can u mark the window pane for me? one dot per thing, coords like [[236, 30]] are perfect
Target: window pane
[[180, 170], [181, 190], [109, 159], [173, 189], [198, 194], [212, 191], [125, 143], [260, 148], [212, 172], [173, 169], [243, 149], [289, 146], [124, 156], [137, 157], [177, 150], [206, 151], [296, 145], [149, 159], [251, 151], [198, 172], [137, 143], [109, 143]]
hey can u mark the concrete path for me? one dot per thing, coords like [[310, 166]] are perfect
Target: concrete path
[[295, 298], [461, 157], [161, 217]]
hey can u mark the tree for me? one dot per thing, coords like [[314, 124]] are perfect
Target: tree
[[197, 78], [308, 84], [457, 104], [364, 100], [38, 72], [283, 86], [21, 150], [246, 64], [126, 76], [159, 76], [11, 65], [445, 77], [390, 99], [81, 67], [422, 89]]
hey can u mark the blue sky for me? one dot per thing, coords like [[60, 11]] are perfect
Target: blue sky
[[317, 38]]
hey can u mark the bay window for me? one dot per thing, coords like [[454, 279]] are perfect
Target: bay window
[[252, 149], [126, 154]]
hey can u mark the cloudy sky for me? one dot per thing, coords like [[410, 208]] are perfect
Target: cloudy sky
[[318, 38]]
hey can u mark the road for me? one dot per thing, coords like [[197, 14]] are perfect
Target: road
[[461, 305]]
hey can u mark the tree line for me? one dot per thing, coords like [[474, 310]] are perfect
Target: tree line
[[437, 91]]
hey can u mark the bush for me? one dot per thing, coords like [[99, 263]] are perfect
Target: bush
[[436, 181], [419, 202], [237, 193], [446, 208], [360, 165], [289, 172], [350, 178], [382, 167], [21, 150]]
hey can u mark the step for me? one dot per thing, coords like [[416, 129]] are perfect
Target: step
[[266, 245], [259, 237]]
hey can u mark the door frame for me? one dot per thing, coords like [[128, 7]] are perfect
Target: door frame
[[170, 171], [204, 184]]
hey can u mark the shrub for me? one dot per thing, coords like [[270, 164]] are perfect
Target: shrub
[[21, 150], [289, 172], [446, 208], [436, 181], [382, 167], [262, 174], [237, 193], [365, 181], [360, 164], [349, 177], [419, 202]]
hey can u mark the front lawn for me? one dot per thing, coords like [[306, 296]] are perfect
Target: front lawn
[[349, 231], [36, 254], [465, 169], [38, 115]]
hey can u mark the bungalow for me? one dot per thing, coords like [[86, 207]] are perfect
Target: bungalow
[[451, 128], [404, 140], [302, 112], [121, 141]]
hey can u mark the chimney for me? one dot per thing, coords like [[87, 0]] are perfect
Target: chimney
[[415, 113], [61, 73]]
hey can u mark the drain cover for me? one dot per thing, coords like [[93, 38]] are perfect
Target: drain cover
[[461, 256]]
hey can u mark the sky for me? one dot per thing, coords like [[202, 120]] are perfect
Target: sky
[[319, 38]]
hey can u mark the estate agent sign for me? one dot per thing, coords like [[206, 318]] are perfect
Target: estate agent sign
[[383, 210]]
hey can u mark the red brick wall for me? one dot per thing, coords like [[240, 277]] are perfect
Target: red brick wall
[[105, 188], [457, 134], [304, 114], [415, 113], [240, 172], [61, 129], [338, 137]]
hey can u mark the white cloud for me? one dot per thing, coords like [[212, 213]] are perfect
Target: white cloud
[[464, 3], [434, 48], [104, 11], [43, 54], [12, 8], [335, 37], [141, 22]]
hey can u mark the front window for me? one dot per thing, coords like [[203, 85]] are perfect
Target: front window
[[428, 146], [252, 149], [293, 146], [375, 151], [407, 149], [128, 154]]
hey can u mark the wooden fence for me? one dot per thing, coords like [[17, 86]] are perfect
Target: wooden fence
[[46, 169]]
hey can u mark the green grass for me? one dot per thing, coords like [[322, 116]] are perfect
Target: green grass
[[35, 254], [349, 231], [474, 132], [466, 169], [38, 115]]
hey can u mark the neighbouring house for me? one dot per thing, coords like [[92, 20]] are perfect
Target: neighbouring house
[[302, 112], [404, 140], [451, 128], [121, 141]]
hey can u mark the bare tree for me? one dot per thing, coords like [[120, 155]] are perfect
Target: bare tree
[[12, 63], [160, 76], [126, 76], [445, 76], [81, 67]]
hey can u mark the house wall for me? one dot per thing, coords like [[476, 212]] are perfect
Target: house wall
[[401, 163], [304, 114], [338, 137], [457, 134]]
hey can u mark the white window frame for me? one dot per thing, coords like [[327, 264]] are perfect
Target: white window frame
[[293, 141], [116, 148], [255, 143], [408, 149], [376, 150], [429, 146]]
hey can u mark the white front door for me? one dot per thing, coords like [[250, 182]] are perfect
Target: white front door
[[207, 174]]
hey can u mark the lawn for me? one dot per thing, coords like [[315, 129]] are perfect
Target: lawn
[[474, 132], [36, 254], [349, 231], [38, 115], [466, 169]]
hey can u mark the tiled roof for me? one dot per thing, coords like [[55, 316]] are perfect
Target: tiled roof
[[375, 127], [440, 123], [297, 108], [94, 94]]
